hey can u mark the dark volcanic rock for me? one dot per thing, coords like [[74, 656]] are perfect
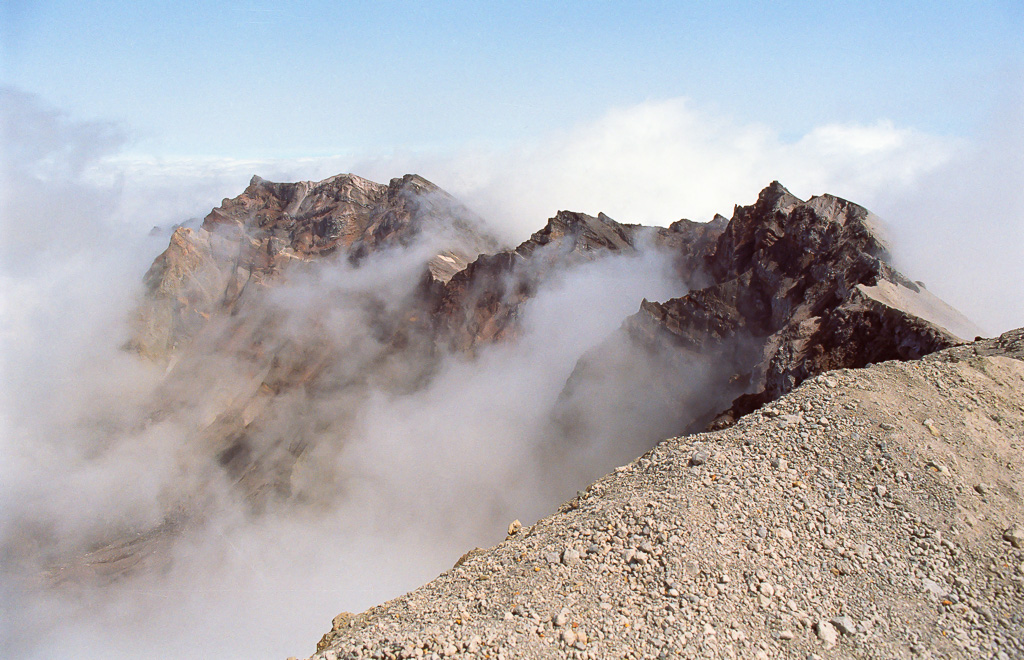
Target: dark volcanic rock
[[793, 289]]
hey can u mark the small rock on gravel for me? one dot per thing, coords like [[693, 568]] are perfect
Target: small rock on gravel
[[844, 625], [826, 633]]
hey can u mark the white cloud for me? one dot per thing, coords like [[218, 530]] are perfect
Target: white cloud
[[953, 205], [960, 226], [652, 163], [661, 161]]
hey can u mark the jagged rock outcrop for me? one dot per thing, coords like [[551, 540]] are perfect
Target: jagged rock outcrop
[[255, 319], [480, 304], [792, 289], [265, 316], [782, 291], [249, 240]]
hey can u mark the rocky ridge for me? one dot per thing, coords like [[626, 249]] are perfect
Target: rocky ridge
[[784, 290], [870, 513], [244, 312], [248, 242], [788, 289], [481, 304]]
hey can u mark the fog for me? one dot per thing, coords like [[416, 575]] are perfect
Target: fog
[[394, 487], [102, 446], [960, 227], [393, 484]]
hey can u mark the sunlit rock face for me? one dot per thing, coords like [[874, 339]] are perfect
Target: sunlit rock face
[[249, 240]]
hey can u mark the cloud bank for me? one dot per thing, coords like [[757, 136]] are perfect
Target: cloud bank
[[953, 205]]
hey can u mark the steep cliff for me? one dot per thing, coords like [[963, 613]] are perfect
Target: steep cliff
[[791, 289]]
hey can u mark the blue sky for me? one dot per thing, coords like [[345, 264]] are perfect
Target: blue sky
[[257, 79]]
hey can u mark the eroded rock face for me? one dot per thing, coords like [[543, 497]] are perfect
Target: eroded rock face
[[481, 303], [784, 290], [792, 289], [261, 317], [250, 240]]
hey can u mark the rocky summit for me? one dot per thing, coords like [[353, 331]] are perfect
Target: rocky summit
[[784, 290], [842, 471], [790, 289]]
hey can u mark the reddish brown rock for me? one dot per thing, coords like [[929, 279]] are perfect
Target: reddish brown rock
[[481, 303], [250, 240]]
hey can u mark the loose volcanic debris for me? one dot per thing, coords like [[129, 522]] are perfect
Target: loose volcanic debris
[[871, 513]]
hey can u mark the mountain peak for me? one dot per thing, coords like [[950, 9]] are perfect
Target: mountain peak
[[775, 196], [581, 233], [781, 292]]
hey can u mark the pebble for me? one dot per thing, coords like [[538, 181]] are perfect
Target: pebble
[[934, 587], [844, 625], [826, 632], [699, 458]]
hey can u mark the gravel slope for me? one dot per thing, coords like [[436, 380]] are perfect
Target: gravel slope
[[870, 513]]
